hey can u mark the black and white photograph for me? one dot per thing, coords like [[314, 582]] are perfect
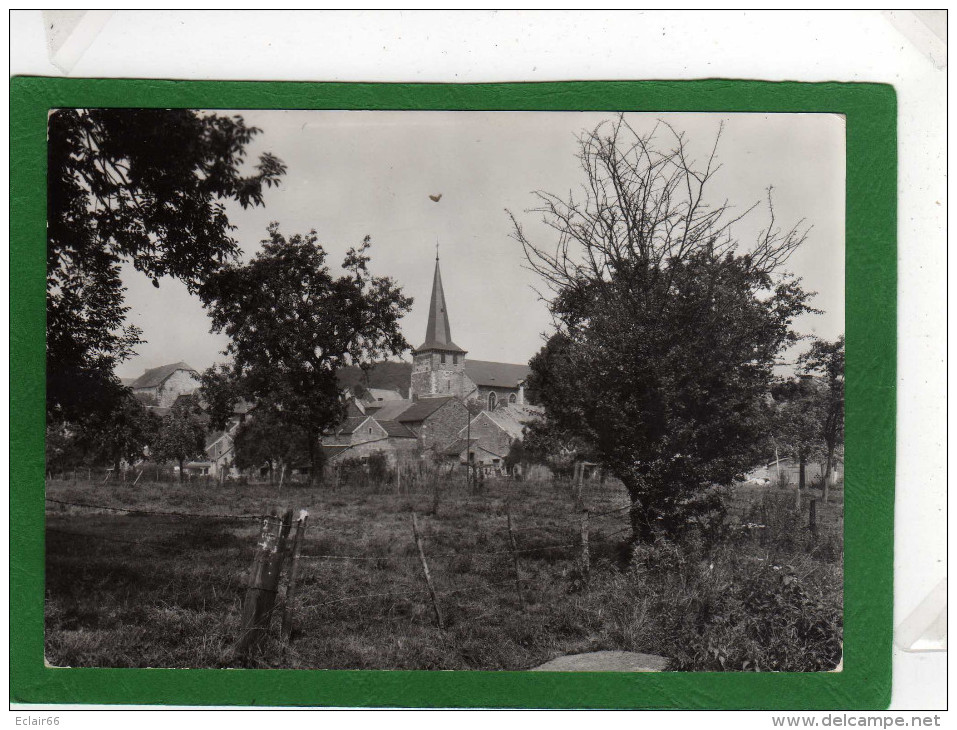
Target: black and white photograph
[[445, 390]]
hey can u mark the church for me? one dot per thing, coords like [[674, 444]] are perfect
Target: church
[[434, 418], [440, 367]]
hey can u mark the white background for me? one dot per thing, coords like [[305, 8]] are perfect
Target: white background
[[538, 46]]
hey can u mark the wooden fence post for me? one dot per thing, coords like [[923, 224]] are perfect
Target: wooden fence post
[[289, 609], [586, 556], [425, 569], [435, 493], [511, 542], [579, 483], [263, 580], [813, 517]]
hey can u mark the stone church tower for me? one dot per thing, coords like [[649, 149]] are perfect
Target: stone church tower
[[438, 364]]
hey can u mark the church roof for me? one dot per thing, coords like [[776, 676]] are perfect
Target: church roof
[[438, 333], [500, 374]]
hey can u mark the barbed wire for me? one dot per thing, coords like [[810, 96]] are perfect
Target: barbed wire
[[598, 541], [94, 536], [413, 592], [88, 505]]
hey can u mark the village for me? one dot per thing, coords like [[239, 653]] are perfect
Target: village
[[455, 412], [608, 438]]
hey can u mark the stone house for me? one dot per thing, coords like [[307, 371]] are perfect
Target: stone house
[[361, 435], [490, 436], [160, 387], [220, 451]]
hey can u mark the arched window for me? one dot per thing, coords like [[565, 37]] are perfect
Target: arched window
[[491, 401], [512, 398]]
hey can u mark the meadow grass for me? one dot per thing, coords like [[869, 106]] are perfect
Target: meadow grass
[[146, 590]]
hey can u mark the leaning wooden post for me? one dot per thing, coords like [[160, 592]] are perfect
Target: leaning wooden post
[[579, 483], [586, 556], [425, 570], [288, 610], [138, 477], [263, 580], [514, 549]]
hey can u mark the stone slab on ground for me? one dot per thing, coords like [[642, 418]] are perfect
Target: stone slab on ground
[[605, 661]]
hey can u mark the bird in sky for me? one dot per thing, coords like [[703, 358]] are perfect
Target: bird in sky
[[435, 198]]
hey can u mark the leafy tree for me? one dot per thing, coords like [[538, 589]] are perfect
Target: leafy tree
[[122, 433], [826, 360], [182, 434], [63, 450], [292, 324], [139, 186], [220, 392], [266, 438], [796, 422], [666, 328]]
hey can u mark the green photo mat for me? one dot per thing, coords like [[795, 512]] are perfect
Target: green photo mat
[[871, 219]]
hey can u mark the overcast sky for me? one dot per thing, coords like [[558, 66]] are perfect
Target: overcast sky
[[356, 173]]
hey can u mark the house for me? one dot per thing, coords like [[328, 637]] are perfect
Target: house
[[489, 436], [788, 471], [160, 387], [395, 427], [361, 435], [220, 451]]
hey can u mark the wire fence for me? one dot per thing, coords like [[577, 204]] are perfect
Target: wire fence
[[576, 547]]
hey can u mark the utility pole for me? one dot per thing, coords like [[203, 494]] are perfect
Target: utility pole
[[468, 447]]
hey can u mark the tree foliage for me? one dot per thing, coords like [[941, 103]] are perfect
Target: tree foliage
[[825, 360], [266, 438], [182, 434], [292, 324], [666, 326], [144, 187]]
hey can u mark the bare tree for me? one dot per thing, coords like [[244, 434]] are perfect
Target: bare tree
[[643, 205], [667, 326]]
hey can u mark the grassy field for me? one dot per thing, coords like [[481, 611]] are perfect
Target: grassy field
[[147, 590]]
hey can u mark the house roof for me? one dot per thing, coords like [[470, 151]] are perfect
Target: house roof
[[388, 410], [351, 424], [500, 374], [381, 394], [395, 429], [438, 333], [457, 447], [422, 409], [507, 422], [214, 437], [242, 407], [330, 451], [154, 377]]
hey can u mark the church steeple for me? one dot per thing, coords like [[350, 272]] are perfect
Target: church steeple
[[438, 333]]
